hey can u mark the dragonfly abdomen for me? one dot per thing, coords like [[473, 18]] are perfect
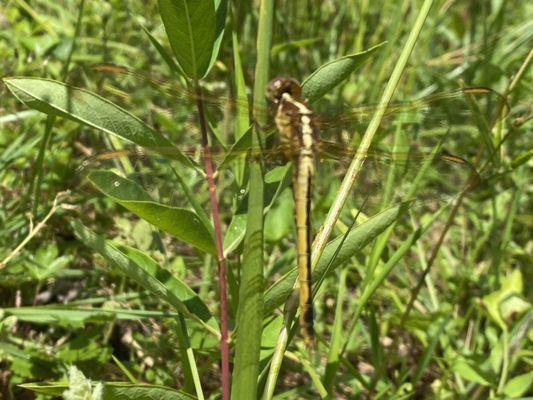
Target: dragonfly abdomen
[[295, 122], [302, 189]]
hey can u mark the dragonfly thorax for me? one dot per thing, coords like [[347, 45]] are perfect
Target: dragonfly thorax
[[295, 120]]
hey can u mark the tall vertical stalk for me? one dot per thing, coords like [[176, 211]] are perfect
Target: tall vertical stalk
[[349, 179], [360, 154], [250, 311], [208, 166]]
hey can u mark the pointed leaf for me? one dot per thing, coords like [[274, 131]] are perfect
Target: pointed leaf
[[115, 391], [221, 7], [82, 106], [147, 273], [519, 385], [329, 75], [71, 317], [179, 222], [191, 30], [471, 372], [358, 238]]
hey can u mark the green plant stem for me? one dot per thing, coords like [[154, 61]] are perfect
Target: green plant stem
[[505, 361], [336, 336], [277, 358], [250, 309], [190, 371]]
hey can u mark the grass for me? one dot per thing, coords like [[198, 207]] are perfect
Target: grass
[[420, 275]]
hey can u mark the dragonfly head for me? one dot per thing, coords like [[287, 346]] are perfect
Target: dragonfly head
[[280, 85]]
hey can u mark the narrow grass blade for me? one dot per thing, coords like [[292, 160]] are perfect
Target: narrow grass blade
[[435, 332], [124, 369], [71, 317], [250, 312], [336, 336], [242, 121], [174, 67], [357, 162]]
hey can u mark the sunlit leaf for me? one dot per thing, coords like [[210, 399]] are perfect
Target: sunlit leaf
[[82, 106], [190, 27], [179, 222], [147, 273], [518, 385], [471, 372], [115, 391], [329, 75]]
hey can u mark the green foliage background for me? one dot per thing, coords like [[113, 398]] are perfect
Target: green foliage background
[[121, 281]]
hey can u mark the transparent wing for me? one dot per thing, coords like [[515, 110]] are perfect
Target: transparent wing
[[452, 110], [449, 122]]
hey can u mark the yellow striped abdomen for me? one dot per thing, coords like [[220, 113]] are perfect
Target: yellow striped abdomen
[[297, 140]]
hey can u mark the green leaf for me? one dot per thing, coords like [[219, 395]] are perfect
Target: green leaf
[[519, 385], [238, 148], [179, 222], [358, 238], [221, 7], [235, 233], [165, 55], [506, 301], [191, 30], [115, 391], [147, 273], [77, 317], [84, 347], [329, 75], [250, 309], [82, 106], [29, 361], [471, 372], [279, 222], [244, 380]]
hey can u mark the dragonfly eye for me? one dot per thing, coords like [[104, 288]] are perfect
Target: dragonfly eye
[[280, 85]]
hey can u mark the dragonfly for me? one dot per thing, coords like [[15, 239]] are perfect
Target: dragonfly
[[299, 131], [298, 141]]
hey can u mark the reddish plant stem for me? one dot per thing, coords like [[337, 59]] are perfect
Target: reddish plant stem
[[208, 165]]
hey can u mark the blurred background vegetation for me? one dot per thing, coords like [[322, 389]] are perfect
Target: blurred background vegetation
[[470, 332]]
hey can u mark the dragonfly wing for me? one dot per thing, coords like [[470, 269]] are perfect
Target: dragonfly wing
[[467, 110], [392, 176]]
